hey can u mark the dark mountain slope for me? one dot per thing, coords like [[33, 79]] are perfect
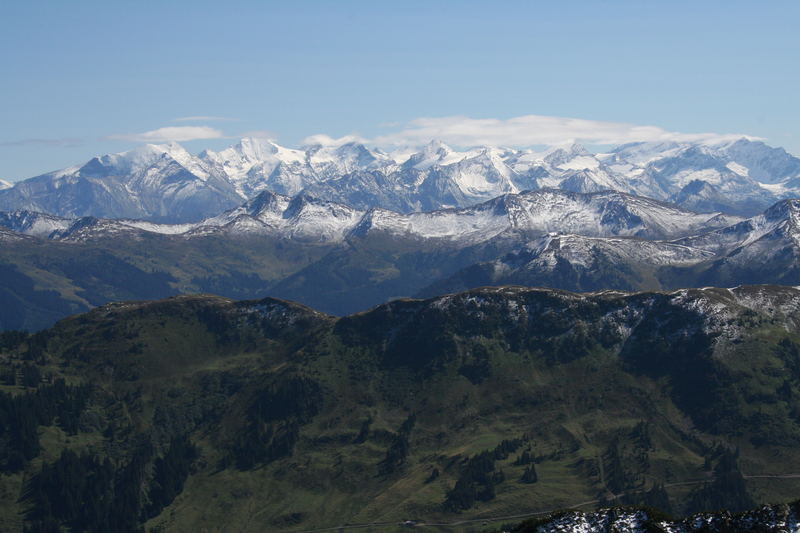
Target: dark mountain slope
[[490, 402], [44, 281]]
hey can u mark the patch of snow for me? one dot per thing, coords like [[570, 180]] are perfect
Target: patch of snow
[[739, 169]]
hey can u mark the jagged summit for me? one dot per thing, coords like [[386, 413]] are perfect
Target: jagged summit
[[166, 183], [601, 214], [567, 154], [784, 210]]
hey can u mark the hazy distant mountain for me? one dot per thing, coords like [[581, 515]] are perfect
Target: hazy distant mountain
[[166, 183]]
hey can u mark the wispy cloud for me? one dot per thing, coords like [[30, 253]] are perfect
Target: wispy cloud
[[171, 133], [203, 118], [42, 142], [327, 140], [531, 130]]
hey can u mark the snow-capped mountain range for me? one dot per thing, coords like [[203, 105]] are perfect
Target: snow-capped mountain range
[[166, 183], [537, 234], [761, 249], [342, 260], [308, 219]]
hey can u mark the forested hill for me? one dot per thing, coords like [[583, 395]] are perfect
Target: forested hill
[[200, 411]]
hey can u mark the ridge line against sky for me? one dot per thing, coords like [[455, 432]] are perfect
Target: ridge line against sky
[[92, 77], [461, 131]]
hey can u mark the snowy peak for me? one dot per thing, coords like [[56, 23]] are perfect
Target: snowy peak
[[255, 149], [31, 223], [302, 218], [348, 157], [266, 204], [761, 162], [166, 183], [583, 181], [312, 219], [571, 157], [143, 158], [435, 153], [481, 175], [240, 158], [784, 210], [355, 155], [778, 224], [543, 258], [544, 211], [610, 213], [253, 164], [159, 182]]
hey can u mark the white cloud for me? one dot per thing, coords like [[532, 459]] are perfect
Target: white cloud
[[171, 133], [203, 118], [327, 140], [531, 130]]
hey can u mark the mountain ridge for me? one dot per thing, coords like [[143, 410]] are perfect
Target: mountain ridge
[[342, 260], [166, 183], [415, 409], [602, 213]]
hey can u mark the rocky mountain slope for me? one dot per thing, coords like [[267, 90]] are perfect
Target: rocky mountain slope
[[158, 182], [343, 260], [762, 249], [305, 217], [769, 518], [166, 183], [580, 263], [266, 415]]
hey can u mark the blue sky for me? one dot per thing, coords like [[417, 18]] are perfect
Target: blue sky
[[85, 78]]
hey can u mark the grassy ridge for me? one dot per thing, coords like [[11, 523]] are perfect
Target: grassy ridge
[[302, 420]]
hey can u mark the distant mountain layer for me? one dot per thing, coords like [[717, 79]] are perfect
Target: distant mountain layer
[[762, 249], [342, 260], [264, 415], [308, 218], [165, 183]]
